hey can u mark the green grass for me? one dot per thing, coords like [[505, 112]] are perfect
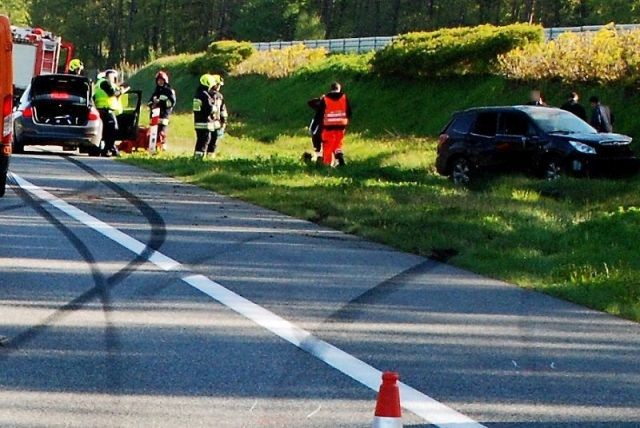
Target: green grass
[[575, 238]]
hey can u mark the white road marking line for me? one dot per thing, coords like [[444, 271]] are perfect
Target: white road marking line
[[413, 400]]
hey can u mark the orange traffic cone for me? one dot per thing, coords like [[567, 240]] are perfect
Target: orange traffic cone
[[388, 413]]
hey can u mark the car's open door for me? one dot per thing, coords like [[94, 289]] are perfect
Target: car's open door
[[128, 120]]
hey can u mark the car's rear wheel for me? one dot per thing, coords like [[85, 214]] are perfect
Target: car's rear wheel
[[3, 184], [4, 168], [552, 168], [93, 151], [461, 171], [18, 145]]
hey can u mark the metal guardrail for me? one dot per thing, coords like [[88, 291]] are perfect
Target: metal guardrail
[[553, 33], [368, 44], [351, 45]]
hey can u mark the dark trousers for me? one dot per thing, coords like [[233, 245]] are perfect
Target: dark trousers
[[109, 129], [316, 140], [206, 141]]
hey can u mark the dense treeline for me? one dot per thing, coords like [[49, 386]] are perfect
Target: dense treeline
[[135, 31]]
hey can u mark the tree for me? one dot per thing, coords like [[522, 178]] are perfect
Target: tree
[[16, 10]]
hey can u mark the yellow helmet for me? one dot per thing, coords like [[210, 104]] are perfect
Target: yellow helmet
[[217, 79], [211, 80], [75, 64]]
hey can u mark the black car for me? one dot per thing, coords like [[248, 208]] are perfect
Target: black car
[[544, 140], [58, 110]]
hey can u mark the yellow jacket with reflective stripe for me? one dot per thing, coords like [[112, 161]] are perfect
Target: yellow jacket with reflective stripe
[[106, 101]]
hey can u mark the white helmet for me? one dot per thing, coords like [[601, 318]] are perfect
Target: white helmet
[[111, 71]]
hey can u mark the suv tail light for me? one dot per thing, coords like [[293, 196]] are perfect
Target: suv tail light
[[93, 114], [7, 124], [442, 139], [28, 112]]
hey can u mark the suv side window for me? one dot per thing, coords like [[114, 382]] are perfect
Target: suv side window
[[512, 123], [461, 124], [486, 123]]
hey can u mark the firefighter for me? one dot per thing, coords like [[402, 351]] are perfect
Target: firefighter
[[107, 101], [336, 113], [209, 115], [76, 67], [315, 129], [164, 98]]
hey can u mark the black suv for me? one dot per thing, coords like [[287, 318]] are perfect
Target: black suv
[[544, 140]]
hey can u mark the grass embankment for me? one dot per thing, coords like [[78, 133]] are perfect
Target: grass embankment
[[576, 239]]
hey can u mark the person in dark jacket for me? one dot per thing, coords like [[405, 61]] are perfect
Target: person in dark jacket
[[164, 98], [106, 96], [76, 67], [209, 114], [315, 127], [537, 99], [601, 116], [335, 110], [573, 105]]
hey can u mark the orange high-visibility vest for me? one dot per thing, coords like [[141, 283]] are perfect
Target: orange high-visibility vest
[[335, 112]]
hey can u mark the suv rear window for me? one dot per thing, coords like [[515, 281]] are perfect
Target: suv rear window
[[486, 123], [461, 124]]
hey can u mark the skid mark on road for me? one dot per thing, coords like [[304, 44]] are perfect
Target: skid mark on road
[[100, 290], [355, 307], [155, 220], [413, 400]]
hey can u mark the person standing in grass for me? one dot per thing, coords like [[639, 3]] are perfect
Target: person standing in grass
[[163, 98], [573, 106], [315, 128], [537, 99], [601, 117], [336, 114], [209, 114]]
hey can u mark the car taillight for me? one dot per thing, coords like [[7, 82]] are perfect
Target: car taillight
[[7, 124], [28, 112], [55, 95], [442, 139], [93, 114]]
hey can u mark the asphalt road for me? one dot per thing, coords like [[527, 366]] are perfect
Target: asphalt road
[[106, 325]]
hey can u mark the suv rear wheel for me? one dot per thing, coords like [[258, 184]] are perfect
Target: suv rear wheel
[[461, 171]]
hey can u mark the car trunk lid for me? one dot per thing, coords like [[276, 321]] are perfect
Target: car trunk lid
[[63, 100]]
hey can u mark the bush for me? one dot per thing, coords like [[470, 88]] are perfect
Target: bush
[[221, 57], [603, 57], [341, 65], [280, 63], [466, 50]]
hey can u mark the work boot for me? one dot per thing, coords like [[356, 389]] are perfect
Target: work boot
[[340, 159]]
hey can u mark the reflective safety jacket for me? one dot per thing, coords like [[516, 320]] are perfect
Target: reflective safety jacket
[[209, 109], [165, 98], [336, 111], [106, 96]]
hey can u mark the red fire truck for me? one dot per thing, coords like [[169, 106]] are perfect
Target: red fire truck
[[6, 78], [37, 52]]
